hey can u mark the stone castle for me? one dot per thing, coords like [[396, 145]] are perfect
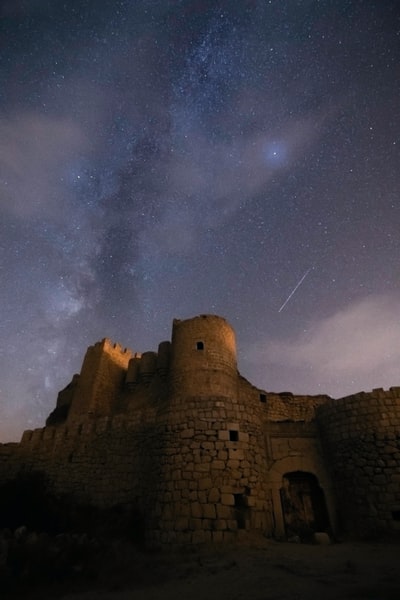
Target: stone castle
[[203, 455]]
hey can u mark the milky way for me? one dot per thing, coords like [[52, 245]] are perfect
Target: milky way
[[164, 159]]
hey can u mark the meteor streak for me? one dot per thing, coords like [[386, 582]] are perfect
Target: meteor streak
[[294, 289]]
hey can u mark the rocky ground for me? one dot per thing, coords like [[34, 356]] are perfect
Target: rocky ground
[[252, 570]]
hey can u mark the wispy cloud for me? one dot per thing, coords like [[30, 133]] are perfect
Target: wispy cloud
[[354, 349]]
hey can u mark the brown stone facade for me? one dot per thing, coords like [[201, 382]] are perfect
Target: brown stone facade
[[204, 456]]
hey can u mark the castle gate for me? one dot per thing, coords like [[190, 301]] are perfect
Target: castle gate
[[303, 505]]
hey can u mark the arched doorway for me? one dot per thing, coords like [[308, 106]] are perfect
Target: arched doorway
[[303, 505]]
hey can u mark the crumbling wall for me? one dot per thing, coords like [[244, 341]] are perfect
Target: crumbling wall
[[203, 454], [361, 437], [101, 462], [102, 377], [213, 464]]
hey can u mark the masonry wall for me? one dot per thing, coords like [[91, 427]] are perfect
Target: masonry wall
[[203, 454], [361, 435], [291, 444], [105, 462], [214, 459], [101, 379]]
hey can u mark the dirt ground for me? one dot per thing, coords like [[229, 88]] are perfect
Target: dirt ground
[[263, 570]]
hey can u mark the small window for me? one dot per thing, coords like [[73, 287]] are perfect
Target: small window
[[200, 345], [396, 515], [233, 435], [263, 398], [240, 510], [240, 500]]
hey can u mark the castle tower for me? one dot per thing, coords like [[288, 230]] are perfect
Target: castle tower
[[101, 378], [203, 361], [209, 487]]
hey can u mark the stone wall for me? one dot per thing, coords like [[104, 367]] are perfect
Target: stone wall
[[361, 436], [214, 462], [102, 377], [213, 469], [204, 455]]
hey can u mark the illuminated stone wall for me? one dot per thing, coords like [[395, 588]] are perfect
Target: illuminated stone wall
[[180, 436]]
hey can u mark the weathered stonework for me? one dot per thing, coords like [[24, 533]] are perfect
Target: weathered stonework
[[182, 437]]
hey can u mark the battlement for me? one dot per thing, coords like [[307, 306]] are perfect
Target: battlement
[[112, 347], [392, 392], [204, 453]]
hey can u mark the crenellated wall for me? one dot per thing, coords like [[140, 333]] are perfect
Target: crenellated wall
[[361, 437], [203, 455], [102, 377]]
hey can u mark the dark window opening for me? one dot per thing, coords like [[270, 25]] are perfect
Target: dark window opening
[[70, 457], [240, 500], [240, 510], [396, 515], [263, 398], [200, 345], [233, 435]]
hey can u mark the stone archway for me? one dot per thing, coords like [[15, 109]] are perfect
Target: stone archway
[[304, 508]]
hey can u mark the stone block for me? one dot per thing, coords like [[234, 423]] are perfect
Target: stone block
[[202, 495], [227, 489], [321, 538], [214, 495], [183, 509], [187, 433], [181, 524], [203, 467], [227, 499], [184, 537], [236, 454], [204, 484], [232, 524], [207, 445], [197, 510], [232, 426], [209, 511], [224, 512], [198, 537], [195, 524], [218, 464], [219, 524], [229, 536], [217, 537]]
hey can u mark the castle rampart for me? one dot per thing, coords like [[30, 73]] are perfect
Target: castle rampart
[[361, 436], [181, 437]]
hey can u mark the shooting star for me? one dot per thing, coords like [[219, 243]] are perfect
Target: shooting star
[[294, 289]]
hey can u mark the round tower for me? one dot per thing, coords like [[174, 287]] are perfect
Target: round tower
[[361, 438], [210, 484], [203, 361]]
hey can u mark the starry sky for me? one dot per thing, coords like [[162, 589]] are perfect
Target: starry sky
[[161, 159]]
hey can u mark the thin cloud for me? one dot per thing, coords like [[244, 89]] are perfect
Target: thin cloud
[[354, 349]]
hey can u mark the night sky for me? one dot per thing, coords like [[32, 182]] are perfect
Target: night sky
[[164, 159]]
